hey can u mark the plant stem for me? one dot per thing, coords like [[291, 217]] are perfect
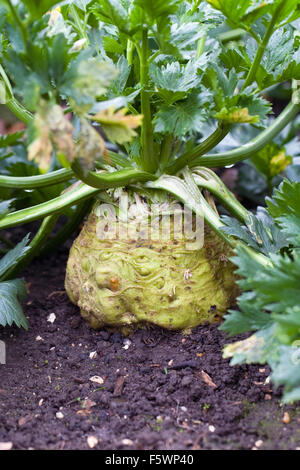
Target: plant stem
[[54, 206], [96, 182], [207, 179], [17, 20], [41, 236], [188, 193], [205, 146], [54, 177], [39, 181], [200, 46], [165, 151], [129, 52], [149, 162], [12, 104], [241, 153], [78, 24], [19, 111], [231, 35], [262, 46], [111, 180]]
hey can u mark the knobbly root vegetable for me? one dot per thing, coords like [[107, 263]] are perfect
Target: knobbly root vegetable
[[121, 283]]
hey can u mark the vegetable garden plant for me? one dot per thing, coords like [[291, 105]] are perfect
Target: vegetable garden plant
[[129, 98]]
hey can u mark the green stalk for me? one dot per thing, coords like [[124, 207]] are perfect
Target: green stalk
[[118, 159], [54, 177], [200, 46], [129, 52], [207, 179], [188, 193], [165, 151], [231, 35], [95, 181], [149, 162], [19, 111], [54, 206], [206, 145], [235, 35], [17, 20], [12, 104], [245, 151], [262, 46], [41, 236], [110, 180], [39, 181], [210, 216], [78, 24]]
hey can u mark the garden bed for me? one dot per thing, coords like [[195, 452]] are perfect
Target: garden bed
[[160, 390]]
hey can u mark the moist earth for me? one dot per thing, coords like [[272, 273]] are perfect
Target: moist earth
[[66, 386]]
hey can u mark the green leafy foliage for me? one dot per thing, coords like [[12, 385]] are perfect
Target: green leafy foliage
[[175, 81], [185, 117], [262, 235], [246, 12], [10, 139], [285, 209], [114, 12], [155, 76], [269, 303], [12, 291], [12, 257], [36, 9], [271, 161], [281, 60]]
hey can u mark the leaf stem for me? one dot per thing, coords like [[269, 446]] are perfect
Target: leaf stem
[[110, 180], [54, 206], [261, 47], [165, 151], [39, 181], [78, 24], [207, 179], [205, 146], [129, 52], [245, 151], [200, 46], [149, 162], [54, 177], [17, 20], [19, 111]]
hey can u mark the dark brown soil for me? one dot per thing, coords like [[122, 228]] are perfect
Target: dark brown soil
[[165, 391]]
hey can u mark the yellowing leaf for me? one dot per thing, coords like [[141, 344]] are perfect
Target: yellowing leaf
[[53, 131], [242, 347], [279, 162], [54, 15], [236, 114], [2, 92], [117, 126], [215, 4], [89, 145], [271, 160], [92, 80], [40, 150], [62, 133]]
